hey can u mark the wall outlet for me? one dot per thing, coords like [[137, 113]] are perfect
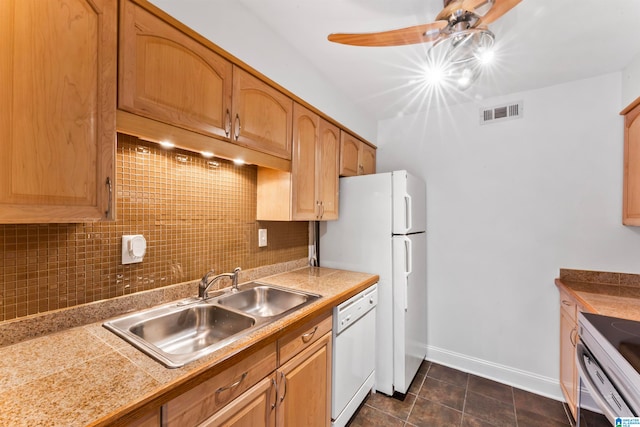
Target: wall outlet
[[262, 237], [133, 248]]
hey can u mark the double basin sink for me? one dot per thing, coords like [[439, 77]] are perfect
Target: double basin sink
[[184, 331]]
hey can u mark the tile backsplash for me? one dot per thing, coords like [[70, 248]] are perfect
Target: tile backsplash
[[195, 213]]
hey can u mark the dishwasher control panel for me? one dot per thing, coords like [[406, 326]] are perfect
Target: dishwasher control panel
[[354, 308]]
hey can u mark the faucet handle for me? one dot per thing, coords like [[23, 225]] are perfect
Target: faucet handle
[[237, 270]]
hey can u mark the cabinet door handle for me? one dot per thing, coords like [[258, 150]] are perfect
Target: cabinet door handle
[[109, 185], [321, 209], [565, 302], [274, 386], [232, 385], [227, 123], [283, 378], [307, 337], [573, 335], [238, 126]]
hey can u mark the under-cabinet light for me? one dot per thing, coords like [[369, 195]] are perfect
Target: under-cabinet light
[[238, 162], [167, 144], [207, 154]]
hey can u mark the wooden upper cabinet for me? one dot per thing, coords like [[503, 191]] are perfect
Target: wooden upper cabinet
[[310, 191], [349, 154], [262, 116], [168, 76], [57, 127], [328, 156], [631, 182], [314, 166], [306, 132], [356, 156], [368, 159]]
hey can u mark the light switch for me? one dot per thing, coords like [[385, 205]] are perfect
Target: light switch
[[133, 248], [262, 237]]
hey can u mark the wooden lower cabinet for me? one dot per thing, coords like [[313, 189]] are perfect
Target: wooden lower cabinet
[[249, 394], [306, 383], [569, 308], [254, 408]]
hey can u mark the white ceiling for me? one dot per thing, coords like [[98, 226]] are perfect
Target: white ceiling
[[540, 43]]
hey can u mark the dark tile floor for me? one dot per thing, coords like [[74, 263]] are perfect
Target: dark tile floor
[[442, 396]]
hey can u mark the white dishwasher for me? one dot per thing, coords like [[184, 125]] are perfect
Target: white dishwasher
[[354, 354]]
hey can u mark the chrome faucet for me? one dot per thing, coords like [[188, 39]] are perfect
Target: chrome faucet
[[205, 283]]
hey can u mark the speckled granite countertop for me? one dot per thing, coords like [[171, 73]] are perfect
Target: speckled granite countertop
[[88, 376], [610, 294]]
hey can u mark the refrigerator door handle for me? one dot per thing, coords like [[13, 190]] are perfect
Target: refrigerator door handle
[[408, 270], [407, 211], [407, 251]]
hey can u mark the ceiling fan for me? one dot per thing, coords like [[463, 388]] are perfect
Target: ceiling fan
[[459, 33]]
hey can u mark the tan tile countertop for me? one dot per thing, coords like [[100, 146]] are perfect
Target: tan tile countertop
[[88, 376], [594, 301]]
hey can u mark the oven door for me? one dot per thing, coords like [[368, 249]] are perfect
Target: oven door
[[599, 386]]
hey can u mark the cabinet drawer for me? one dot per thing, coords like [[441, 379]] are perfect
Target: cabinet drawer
[[202, 401], [301, 338]]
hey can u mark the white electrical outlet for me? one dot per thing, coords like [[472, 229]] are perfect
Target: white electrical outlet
[[262, 237], [133, 248]]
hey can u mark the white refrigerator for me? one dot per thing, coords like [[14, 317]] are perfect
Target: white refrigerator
[[382, 230]]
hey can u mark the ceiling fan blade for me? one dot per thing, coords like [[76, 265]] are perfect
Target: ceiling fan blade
[[499, 8], [403, 36]]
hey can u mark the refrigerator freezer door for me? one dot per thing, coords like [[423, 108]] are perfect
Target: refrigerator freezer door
[[409, 203], [409, 308]]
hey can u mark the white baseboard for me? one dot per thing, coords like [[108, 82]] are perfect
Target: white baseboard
[[529, 381]]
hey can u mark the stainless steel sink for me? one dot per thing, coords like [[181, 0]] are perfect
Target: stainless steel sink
[[265, 300], [192, 329], [184, 331]]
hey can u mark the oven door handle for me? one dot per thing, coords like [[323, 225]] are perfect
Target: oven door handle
[[600, 400]]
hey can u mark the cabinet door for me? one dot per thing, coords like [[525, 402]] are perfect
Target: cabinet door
[[368, 160], [568, 370], [349, 154], [631, 193], [254, 408], [262, 116], [328, 159], [304, 389], [57, 127], [304, 164], [168, 76]]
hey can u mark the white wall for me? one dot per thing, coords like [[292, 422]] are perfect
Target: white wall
[[230, 25], [631, 82], [508, 205]]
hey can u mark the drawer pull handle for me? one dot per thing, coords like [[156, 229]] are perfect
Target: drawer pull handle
[[235, 384], [307, 337], [565, 302]]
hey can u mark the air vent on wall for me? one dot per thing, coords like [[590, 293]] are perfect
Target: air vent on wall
[[501, 113]]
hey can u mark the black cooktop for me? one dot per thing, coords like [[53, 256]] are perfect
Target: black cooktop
[[622, 334]]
